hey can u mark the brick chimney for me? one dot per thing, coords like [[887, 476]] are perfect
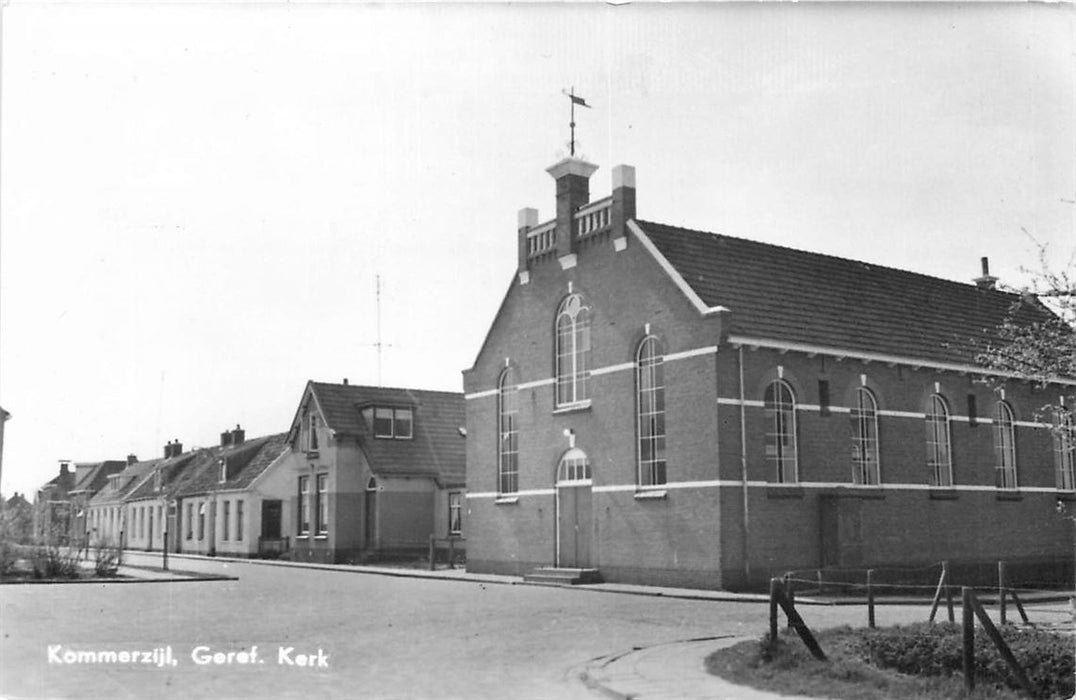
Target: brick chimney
[[623, 199], [573, 191], [131, 459], [65, 468], [238, 435], [987, 281]]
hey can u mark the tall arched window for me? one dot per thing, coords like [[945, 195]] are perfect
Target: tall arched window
[[780, 405], [939, 454], [650, 410], [1004, 446], [507, 433], [865, 438], [573, 350], [1065, 450]]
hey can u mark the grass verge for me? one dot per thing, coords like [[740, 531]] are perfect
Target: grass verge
[[913, 662]]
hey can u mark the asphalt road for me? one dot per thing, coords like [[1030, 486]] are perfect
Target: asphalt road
[[365, 636]]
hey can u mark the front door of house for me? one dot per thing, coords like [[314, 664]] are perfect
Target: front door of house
[[574, 523], [271, 512]]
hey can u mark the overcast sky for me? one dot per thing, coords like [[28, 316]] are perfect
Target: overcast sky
[[196, 200]]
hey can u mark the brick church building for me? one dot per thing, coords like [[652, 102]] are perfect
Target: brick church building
[[676, 407]]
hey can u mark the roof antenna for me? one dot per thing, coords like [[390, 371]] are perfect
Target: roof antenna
[[379, 344], [575, 100]]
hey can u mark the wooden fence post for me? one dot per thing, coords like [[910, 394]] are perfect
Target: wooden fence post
[[938, 594], [775, 586], [968, 627], [433, 551], [1003, 648], [790, 594], [1001, 591], [870, 598], [948, 590]]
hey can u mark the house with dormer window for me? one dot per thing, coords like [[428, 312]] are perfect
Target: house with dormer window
[[659, 405], [375, 471]]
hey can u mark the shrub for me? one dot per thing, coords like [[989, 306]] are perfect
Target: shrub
[[9, 554], [51, 560], [937, 650], [107, 558]]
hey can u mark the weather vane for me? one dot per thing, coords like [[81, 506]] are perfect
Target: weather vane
[[575, 100]]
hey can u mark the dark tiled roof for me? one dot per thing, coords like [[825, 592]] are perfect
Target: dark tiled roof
[[436, 449], [128, 480], [795, 296], [95, 475], [172, 470], [245, 463]]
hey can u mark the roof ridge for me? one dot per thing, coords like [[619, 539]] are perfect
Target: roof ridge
[[384, 388], [964, 285]]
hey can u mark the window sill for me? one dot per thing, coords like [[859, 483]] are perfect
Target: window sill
[[789, 491], [572, 407], [865, 491], [311, 454], [1009, 495], [650, 494], [942, 493], [1066, 495], [506, 501], [321, 537], [302, 537]]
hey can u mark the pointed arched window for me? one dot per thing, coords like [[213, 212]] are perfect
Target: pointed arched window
[[650, 409], [1004, 446], [939, 453], [864, 415], [780, 405], [572, 350], [1065, 450], [507, 433]]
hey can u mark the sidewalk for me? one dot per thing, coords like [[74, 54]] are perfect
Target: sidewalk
[[667, 671], [464, 575]]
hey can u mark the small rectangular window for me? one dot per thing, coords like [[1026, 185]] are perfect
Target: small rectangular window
[[402, 424], [383, 422], [304, 505], [190, 521], [201, 522], [224, 524], [823, 397], [322, 508], [455, 514], [973, 412], [239, 520]]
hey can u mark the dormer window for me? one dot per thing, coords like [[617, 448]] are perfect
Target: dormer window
[[393, 423], [223, 470], [157, 480]]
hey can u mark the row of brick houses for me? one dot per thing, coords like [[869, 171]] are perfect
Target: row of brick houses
[[668, 406], [361, 473]]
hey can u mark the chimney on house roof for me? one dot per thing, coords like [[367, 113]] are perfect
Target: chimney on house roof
[[238, 435], [226, 438], [131, 459], [987, 281], [65, 467], [345, 381]]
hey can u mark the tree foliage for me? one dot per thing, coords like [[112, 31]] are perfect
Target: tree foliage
[[1039, 347]]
